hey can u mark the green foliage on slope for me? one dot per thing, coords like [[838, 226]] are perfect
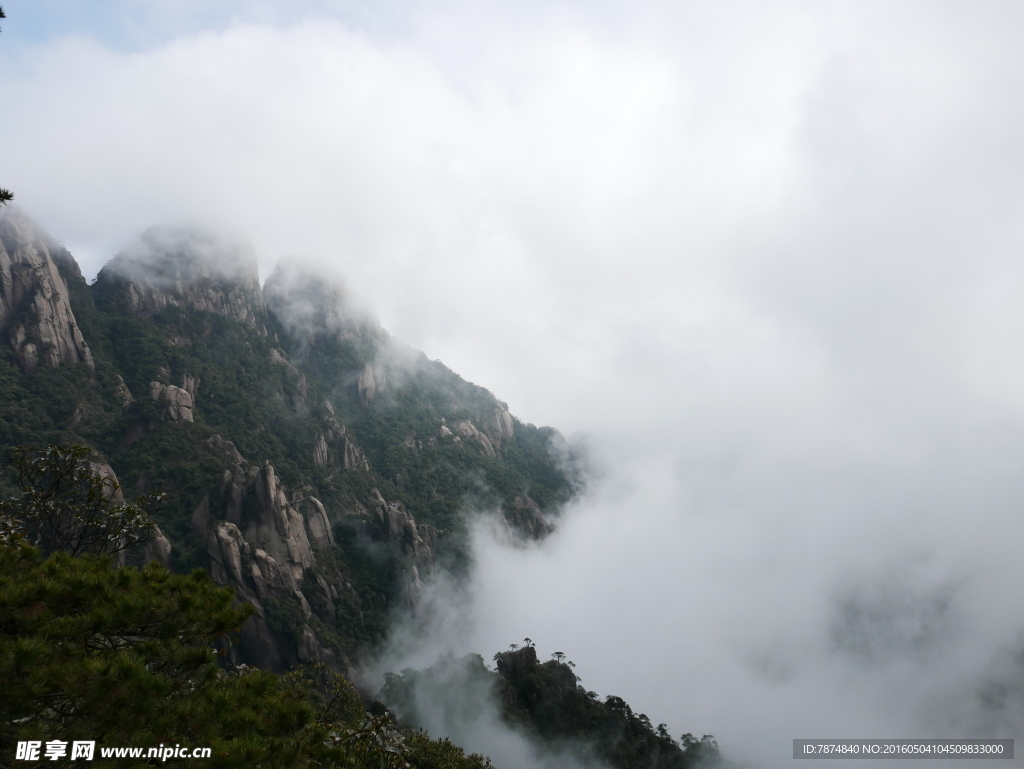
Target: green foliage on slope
[[129, 657]]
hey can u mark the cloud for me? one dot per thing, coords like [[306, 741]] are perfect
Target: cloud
[[765, 256]]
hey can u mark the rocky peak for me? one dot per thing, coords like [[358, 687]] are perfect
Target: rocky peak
[[189, 268], [35, 308]]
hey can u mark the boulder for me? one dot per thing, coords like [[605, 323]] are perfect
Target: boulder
[[176, 402]]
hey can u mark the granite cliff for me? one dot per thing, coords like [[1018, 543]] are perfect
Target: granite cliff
[[35, 309]]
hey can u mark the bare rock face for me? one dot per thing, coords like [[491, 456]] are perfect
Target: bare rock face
[[225, 547], [190, 268], [268, 564], [333, 448], [35, 309], [158, 547], [279, 528], [500, 427], [259, 578], [469, 431], [318, 527], [275, 582], [310, 649], [176, 402]]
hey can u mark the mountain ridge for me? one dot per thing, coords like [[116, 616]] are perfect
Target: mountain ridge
[[313, 464]]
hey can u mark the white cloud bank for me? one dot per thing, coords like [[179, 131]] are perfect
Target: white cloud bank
[[765, 255]]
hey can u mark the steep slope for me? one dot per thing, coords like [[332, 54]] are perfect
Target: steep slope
[[311, 463]]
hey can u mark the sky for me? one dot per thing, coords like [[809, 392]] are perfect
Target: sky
[[762, 258]]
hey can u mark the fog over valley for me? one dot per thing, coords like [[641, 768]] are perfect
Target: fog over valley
[[760, 263]]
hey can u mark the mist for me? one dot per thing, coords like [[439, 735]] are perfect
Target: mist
[[762, 259]]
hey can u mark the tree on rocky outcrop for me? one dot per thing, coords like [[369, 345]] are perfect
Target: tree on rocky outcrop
[[545, 699], [69, 502]]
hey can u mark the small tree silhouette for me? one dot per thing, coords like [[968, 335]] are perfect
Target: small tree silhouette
[[558, 656]]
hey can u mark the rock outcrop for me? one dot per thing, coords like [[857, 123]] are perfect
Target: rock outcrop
[[500, 426], [415, 541], [35, 307], [175, 402], [189, 268], [318, 527], [278, 528], [268, 564], [333, 448], [157, 547], [261, 580], [468, 430]]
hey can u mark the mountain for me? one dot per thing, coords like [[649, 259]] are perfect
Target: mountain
[[312, 463]]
